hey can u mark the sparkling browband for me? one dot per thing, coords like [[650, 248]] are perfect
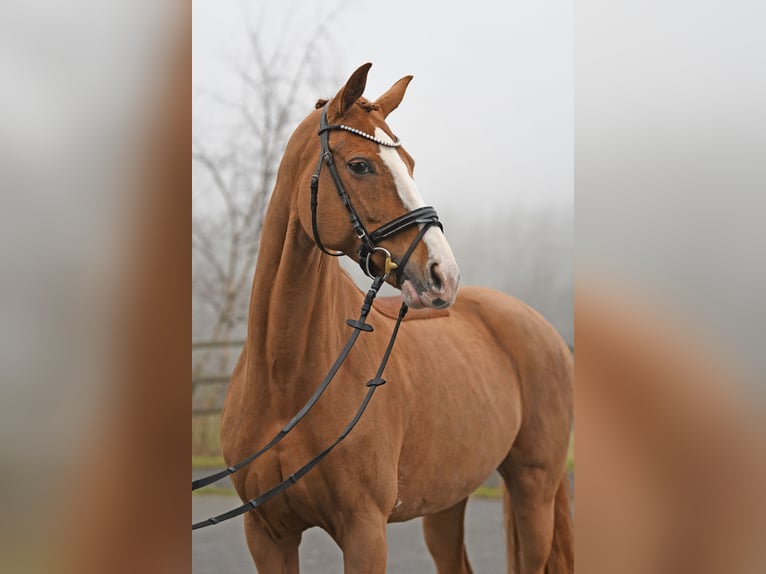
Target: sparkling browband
[[396, 143]]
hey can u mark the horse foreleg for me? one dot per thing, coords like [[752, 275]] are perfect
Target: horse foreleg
[[444, 534], [271, 554], [363, 541]]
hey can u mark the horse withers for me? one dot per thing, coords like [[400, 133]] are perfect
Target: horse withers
[[483, 385]]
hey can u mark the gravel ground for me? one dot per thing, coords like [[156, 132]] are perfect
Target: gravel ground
[[221, 549]]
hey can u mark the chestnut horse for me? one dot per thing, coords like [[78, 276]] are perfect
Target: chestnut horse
[[484, 385]]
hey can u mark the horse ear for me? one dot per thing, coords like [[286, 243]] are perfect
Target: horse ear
[[389, 101], [352, 91]]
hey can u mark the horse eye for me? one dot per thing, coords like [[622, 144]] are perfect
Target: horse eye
[[359, 167]]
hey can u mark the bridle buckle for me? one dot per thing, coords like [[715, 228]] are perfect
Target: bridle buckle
[[388, 266]]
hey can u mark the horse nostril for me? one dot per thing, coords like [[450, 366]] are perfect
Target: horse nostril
[[436, 279]]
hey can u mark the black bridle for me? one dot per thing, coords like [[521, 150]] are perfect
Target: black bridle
[[423, 216], [426, 217]]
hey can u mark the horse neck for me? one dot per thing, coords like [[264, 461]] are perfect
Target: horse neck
[[298, 305]]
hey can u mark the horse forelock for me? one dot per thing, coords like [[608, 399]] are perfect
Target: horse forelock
[[367, 105], [364, 103]]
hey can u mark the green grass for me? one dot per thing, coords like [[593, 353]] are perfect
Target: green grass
[[492, 492], [488, 492], [215, 490], [207, 462]]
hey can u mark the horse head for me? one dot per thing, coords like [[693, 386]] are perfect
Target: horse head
[[365, 203]]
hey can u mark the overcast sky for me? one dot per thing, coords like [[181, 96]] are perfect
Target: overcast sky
[[489, 115]]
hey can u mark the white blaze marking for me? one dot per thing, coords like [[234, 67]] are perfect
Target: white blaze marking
[[439, 250]]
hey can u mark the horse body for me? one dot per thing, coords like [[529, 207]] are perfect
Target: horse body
[[488, 387]]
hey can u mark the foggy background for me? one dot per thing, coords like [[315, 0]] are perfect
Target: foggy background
[[670, 184], [488, 119]]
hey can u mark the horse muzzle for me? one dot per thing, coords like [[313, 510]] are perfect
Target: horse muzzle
[[437, 288]]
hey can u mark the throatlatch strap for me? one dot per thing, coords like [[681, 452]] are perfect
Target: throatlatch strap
[[314, 206]]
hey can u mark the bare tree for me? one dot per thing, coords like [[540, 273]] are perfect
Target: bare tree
[[235, 175]]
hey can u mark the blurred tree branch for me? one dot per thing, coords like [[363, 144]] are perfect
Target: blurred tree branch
[[280, 82]]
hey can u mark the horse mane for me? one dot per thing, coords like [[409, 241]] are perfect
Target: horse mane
[[366, 105]]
